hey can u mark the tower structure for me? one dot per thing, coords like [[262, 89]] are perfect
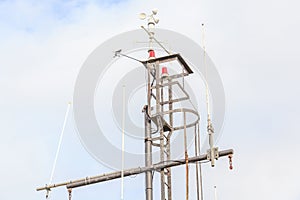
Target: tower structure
[[165, 114]]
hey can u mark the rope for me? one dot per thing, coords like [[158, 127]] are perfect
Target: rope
[[123, 144], [58, 147]]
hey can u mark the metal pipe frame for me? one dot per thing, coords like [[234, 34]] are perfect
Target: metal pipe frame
[[148, 140]]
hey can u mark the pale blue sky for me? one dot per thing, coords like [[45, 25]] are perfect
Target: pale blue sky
[[254, 45]]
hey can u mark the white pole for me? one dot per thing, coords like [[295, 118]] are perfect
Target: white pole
[[216, 197], [123, 144]]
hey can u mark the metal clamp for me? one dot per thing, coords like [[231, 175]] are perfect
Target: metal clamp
[[212, 154]]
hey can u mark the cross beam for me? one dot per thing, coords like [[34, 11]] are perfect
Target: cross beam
[[129, 172]]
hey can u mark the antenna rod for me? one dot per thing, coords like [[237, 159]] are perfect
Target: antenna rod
[[60, 141], [210, 129], [118, 54]]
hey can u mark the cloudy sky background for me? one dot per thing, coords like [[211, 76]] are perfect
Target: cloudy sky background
[[254, 45]]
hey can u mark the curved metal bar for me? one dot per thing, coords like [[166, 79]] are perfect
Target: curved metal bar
[[184, 110]]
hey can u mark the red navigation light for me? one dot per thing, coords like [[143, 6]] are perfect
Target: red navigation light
[[164, 72], [151, 53]]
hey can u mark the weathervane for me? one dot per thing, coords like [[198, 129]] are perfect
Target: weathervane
[[152, 21], [151, 18]]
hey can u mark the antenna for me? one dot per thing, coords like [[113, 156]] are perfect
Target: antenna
[[213, 151], [60, 141]]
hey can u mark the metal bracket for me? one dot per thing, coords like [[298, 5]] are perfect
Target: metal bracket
[[215, 154]]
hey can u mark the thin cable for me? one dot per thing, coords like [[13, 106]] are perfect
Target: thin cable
[[123, 143], [197, 164], [59, 143]]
